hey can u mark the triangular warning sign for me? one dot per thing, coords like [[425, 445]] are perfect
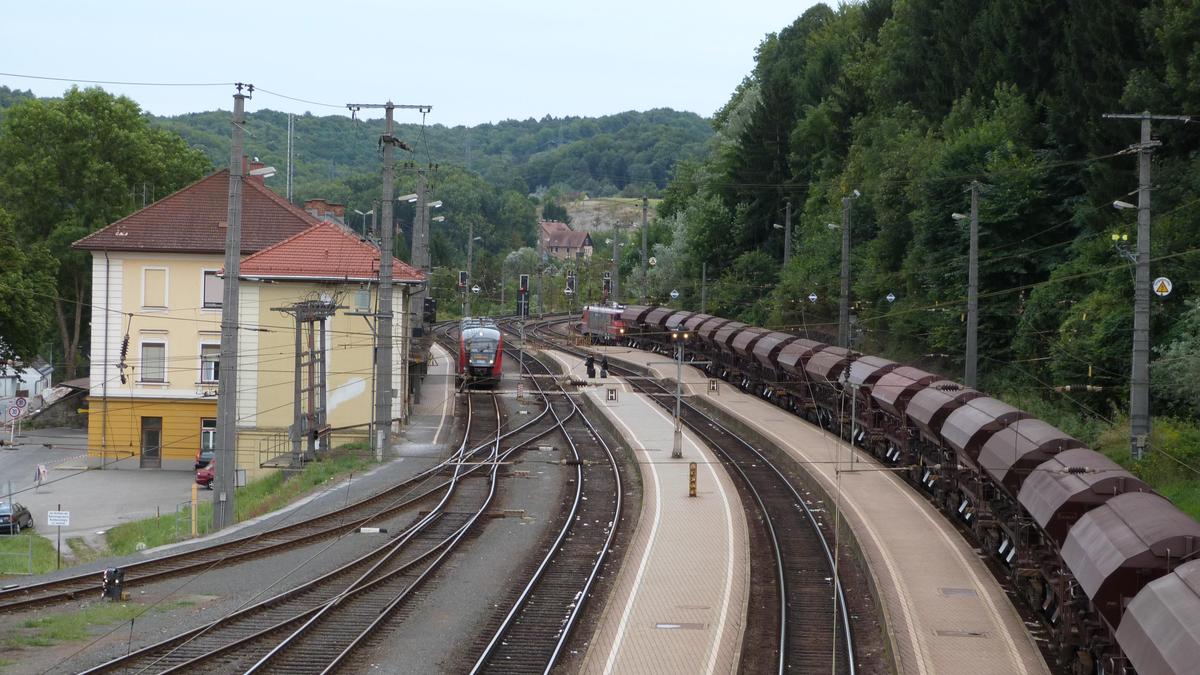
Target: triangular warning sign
[[1162, 288]]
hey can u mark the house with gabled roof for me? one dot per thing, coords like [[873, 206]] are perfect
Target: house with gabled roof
[[156, 320], [557, 239], [331, 267]]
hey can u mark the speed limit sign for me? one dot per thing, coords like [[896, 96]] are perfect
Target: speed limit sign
[[14, 411]]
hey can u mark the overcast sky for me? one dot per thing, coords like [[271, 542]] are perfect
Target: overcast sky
[[474, 61]]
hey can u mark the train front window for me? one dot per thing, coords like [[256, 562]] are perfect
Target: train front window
[[481, 350]]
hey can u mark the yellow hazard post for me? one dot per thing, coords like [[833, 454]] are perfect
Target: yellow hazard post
[[195, 500], [691, 479]]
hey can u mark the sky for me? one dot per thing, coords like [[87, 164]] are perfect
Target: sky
[[473, 61]]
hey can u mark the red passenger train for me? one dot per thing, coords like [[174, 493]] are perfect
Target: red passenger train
[[480, 352]]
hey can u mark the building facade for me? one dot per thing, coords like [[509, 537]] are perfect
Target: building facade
[[156, 319], [330, 269], [558, 240]]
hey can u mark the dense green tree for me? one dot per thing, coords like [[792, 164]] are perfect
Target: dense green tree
[[70, 166], [26, 284]]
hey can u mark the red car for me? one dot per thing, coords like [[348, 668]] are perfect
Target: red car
[[204, 476]]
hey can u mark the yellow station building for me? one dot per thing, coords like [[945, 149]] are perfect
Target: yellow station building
[[156, 315]]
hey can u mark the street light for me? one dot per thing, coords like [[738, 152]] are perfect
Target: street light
[[1121, 206], [364, 219], [679, 338]]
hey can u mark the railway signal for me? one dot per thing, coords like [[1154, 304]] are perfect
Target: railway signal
[[462, 278], [570, 289]]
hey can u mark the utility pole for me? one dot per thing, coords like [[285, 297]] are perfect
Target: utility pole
[[381, 419], [541, 269], [420, 245], [844, 301], [1139, 381], [470, 267], [383, 347], [616, 267], [703, 286], [645, 227], [224, 512], [290, 154], [787, 232], [973, 292]]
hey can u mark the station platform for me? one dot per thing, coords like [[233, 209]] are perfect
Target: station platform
[[945, 611], [677, 606]]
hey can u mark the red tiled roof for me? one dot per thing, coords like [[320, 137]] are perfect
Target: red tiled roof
[[192, 220], [569, 239], [557, 234], [324, 251]]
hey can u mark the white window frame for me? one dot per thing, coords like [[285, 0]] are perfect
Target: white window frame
[[204, 306], [141, 373], [209, 343], [166, 287], [211, 433]]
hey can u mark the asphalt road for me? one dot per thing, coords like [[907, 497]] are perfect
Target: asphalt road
[[97, 500]]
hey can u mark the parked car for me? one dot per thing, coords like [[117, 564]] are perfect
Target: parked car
[[203, 457], [13, 517], [204, 476]]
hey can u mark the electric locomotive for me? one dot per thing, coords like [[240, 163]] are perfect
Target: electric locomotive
[[480, 351], [603, 323]]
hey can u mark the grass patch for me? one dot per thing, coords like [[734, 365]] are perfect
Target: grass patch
[[257, 498], [53, 629], [15, 554], [1174, 447]]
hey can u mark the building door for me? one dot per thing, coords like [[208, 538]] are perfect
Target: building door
[[151, 443]]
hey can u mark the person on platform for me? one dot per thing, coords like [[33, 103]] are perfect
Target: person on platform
[[604, 366], [590, 364]]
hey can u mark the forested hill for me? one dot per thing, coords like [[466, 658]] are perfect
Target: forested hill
[[883, 113], [630, 151]]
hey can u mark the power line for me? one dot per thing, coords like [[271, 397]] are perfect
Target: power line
[[118, 82]]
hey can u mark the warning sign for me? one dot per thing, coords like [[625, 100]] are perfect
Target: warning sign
[[1162, 287]]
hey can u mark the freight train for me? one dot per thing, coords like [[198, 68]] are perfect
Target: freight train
[[1111, 568], [480, 352]]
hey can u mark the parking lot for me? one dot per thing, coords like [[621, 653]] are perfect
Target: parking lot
[[97, 499]]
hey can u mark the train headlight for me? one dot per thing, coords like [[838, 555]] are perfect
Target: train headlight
[[622, 331]]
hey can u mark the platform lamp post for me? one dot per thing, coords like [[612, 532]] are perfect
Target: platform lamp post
[[679, 338], [364, 220]]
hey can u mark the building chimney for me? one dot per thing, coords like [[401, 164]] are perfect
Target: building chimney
[[255, 164]]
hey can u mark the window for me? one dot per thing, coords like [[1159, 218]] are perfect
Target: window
[[154, 362], [154, 287], [214, 288], [210, 363], [362, 299], [208, 434]]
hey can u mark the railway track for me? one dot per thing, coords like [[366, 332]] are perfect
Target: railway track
[[531, 636], [800, 615], [312, 628], [398, 498]]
